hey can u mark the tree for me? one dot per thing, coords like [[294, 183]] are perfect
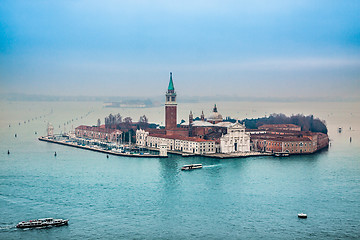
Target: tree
[[143, 122], [307, 123], [128, 122]]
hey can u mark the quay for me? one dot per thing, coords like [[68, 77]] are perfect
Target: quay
[[238, 155], [62, 142], [128, 154], [217, 155]]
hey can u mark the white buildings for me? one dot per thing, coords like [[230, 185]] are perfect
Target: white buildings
[[236, 139], [178, 143]]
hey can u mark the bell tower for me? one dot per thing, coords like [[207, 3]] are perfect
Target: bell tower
[[170, 106], [191, 118]]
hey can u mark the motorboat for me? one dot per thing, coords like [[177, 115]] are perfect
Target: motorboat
[[43, 222], [191, 166], [302, 215], [281, 154]]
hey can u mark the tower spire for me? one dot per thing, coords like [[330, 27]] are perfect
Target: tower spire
[[191, 118], [170, 106], [215, 108], [171, 84]]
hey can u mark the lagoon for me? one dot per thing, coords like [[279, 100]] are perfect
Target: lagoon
[[121, 197]]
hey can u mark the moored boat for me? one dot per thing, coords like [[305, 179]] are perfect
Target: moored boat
[[302, 215], [187, 155], [191, 166], [281, 154], [44, 222]]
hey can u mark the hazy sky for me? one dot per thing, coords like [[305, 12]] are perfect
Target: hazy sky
[[127, 48]]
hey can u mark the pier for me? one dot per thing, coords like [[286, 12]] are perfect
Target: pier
[[127, 154]]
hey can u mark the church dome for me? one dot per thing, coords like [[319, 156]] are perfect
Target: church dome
[[215, 116]]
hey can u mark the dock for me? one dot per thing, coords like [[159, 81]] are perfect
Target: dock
[[237, 155], [211, 155], [216, 155], [46, 139]]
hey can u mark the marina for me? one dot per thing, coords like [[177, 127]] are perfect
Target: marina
[[96, 148], [148, 152]]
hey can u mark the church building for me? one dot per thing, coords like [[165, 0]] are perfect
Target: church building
[[205, 136]]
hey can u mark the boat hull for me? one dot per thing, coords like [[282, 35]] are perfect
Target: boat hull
[[44, 224], [189, 168]]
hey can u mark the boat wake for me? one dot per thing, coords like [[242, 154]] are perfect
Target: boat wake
[[211, 166], [7, 227]]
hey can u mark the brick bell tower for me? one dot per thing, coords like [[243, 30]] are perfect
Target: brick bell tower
[[170, 106]]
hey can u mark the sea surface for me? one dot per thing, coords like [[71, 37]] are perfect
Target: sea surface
[[135, 198]]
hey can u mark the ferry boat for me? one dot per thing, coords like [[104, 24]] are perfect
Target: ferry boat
[[44, 222], [302, 215], [191, 167]]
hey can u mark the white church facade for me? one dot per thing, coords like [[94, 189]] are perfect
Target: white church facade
[[236, 140]]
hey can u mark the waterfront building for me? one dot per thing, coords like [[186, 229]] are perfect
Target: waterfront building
[[300, 143], [98, 133], [235, 140], [175, 143], [163, 150]]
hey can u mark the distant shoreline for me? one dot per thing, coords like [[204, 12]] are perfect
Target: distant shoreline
[[157, 100]]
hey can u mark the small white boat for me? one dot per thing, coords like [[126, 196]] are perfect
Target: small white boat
[[191, 166], [302, 215]]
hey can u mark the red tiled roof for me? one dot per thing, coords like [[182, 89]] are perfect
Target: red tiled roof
[[178, 137], [279, 126], [276, 137], [96, 129], [254, 130]]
